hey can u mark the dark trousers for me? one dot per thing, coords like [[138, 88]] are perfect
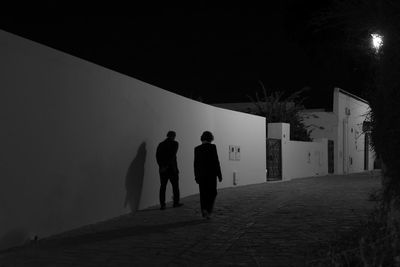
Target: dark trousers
[[174, 179], [208, 193]]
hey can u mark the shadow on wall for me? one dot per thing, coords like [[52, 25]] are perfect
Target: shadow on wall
[[134, 179]]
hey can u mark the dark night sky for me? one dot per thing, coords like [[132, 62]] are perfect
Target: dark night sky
[[218, 54]]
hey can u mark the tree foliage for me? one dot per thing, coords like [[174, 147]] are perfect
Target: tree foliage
[[277, 108], [358, 19]]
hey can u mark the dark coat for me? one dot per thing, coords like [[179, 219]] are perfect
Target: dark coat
[[206, 162], [166, 156]]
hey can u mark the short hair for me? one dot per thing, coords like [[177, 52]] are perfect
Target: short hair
[[207, 136], [171, 134]]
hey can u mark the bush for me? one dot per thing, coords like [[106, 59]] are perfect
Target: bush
[[374, 243]]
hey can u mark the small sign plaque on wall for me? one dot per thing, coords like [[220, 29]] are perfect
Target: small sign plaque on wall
[[231, 153], [237, 153], [234, 153]]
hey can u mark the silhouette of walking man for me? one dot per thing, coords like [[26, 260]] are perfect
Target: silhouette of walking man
[[168, 168], [206, 171]]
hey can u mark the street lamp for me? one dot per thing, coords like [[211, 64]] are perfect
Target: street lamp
[[377, 41]]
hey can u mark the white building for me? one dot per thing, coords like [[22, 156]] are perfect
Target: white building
[[288, 159], [344, 127], [349, 148]]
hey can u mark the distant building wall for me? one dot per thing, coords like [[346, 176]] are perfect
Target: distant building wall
[[250, 107], [304, 159], [344, 127], [321, 123], [78, 141], [300, 159], [351, 112]]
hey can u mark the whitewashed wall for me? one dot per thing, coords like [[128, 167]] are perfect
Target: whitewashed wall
[[349, 149], [304, 159], [322, 124], [78, 140], [344, 130], [300, 159]]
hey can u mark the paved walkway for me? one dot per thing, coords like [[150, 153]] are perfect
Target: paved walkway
[[269, 224]]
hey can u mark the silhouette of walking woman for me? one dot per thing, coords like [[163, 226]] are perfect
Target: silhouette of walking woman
[[206, 170]]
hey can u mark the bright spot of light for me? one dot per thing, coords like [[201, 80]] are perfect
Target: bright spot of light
[[377, 41]]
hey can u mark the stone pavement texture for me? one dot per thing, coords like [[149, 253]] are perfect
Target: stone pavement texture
[[269, 224]]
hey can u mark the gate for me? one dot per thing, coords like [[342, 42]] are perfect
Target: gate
[[274, 159]]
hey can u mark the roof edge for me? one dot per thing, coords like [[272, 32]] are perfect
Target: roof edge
[[351, 95]]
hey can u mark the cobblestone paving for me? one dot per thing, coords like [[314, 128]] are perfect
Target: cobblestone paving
[[269, 224]]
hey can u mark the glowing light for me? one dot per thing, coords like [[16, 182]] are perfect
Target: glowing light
[[377, 41]]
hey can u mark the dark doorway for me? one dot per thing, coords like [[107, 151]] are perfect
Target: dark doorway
[[331, 157], [366, 150]]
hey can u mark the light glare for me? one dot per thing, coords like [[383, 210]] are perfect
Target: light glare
[[377, 41]]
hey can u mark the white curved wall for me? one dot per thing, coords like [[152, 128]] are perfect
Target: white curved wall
[[75, 136]]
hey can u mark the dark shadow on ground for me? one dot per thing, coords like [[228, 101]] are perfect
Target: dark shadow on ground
[[149, 209], [112, 234], [134, 179]]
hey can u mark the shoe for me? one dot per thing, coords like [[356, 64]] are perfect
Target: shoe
[[177, 205], [162, 207], [205, 214]]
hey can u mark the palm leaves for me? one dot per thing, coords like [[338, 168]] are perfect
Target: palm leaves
[[277, 108]]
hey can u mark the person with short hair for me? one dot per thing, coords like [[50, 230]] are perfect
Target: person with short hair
[[168, 168], [206, 171]]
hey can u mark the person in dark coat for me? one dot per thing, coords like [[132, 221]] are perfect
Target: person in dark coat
[[168, 168], [206, 170]]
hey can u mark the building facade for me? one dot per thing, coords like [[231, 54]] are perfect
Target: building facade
[[349, 147], [345, 128]]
